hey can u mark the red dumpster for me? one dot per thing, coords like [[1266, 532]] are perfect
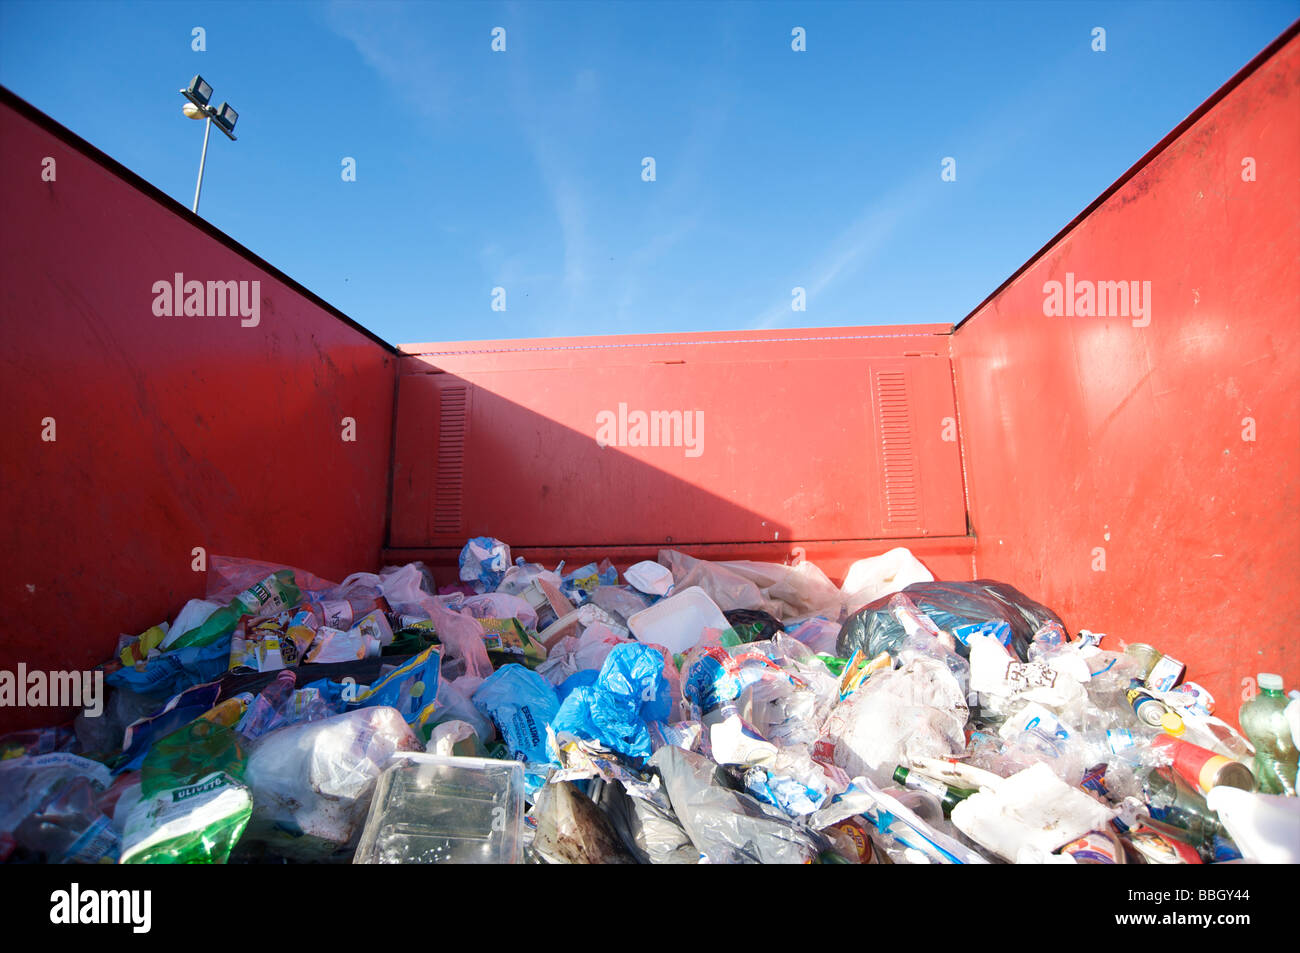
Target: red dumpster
[[1112, 431]]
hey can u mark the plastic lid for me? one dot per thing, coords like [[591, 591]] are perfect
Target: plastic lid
[[1172, 724], [1269, 682]]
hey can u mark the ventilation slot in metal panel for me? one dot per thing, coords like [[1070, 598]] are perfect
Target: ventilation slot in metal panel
[[448, 490], [898, 456]]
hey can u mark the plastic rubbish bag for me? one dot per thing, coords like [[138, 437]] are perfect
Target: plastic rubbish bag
[[463, 637], [879, 576], [571, 655], [875, 628], [818, 633], [521, 704], [728, 589], [621, 603], [573, 830], [165, 675], [453, 738], [180, 710], [103, 734], [70, 827], [499, 605], [629, 691], [649, 830], [483, 563], [785, 592], [941, 650], [916, 711], [790, 713], [454, 702], [753, 625], [410, 688], [27, 781], [729, 826], [794, 591], [398, 585], [312, 783], [229, 576]]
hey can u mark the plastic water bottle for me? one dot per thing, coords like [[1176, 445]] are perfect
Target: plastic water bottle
[[1264, 721]]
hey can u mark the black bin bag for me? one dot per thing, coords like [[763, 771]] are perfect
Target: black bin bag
[[873, 628]]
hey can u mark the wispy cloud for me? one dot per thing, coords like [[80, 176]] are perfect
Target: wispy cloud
[[544, 123], [854, 245], [397, 47], [998, 134]]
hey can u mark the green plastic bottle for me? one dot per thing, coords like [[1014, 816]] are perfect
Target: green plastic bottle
[[1264, 722], [274, 593]]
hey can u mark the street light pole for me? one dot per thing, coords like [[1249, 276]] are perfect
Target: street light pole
[[207, 130], [199, 94]]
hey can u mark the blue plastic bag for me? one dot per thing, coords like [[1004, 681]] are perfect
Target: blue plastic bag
[[521, 704], [483, 562], [613, 710], [581, 679], [409, 688], [177, 713], [172, 672]]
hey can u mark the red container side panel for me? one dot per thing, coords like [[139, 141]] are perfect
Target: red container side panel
[[1141, 472], [797, 438], [170, 433]]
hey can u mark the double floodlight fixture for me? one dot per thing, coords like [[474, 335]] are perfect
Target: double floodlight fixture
[[199, 94]]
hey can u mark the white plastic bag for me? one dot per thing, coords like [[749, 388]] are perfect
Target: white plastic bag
[[870, 579]]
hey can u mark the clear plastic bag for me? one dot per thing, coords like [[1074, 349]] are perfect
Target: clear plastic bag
[[228, 576], [497, 605], [650, 831], [463, 637], [786, 592], [729, 826], [915, 711], [312, 783]]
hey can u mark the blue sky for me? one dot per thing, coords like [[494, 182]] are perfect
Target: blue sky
[[523, 169]]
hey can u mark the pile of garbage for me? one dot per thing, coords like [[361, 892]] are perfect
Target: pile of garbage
[[686, 711]]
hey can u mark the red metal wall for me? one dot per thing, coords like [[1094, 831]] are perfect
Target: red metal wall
[[828, 440], [171, 432], [1109, 468]]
